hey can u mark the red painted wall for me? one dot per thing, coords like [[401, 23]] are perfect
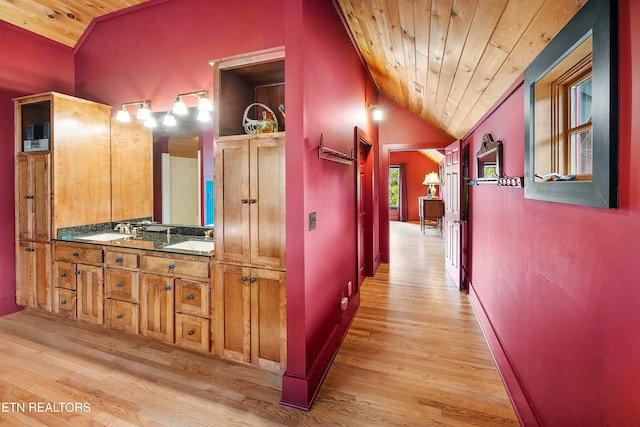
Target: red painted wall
[[400, 130], [28, 64], [326, 78], [418, 165], [159, 51], [555, 284]]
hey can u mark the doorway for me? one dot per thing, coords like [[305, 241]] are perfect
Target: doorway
[[364, 205]]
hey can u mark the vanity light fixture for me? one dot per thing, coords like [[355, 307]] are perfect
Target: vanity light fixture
[[169, 119], [377, 112], [144, 111], [179, 107], [204, 105], [204, 116], [151, 122], [123, 115]]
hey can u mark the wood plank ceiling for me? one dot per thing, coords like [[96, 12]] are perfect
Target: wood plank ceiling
[[59, 20], [447, 61]]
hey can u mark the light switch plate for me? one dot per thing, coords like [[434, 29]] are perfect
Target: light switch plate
[[312, 221]]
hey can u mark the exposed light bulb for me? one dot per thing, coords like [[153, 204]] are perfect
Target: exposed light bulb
[[169, 120], [377, 115], [123, 115], [179, 107]]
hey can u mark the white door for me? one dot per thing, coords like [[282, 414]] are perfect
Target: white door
[[452, 217]]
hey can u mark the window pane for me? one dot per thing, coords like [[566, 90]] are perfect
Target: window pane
[[580, 146], [394, 172], [581, 103]]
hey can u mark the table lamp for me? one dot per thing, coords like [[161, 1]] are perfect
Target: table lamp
[[431, 179]]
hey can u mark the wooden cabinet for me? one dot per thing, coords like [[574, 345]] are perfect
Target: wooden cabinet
[[193, 308], [122, 310], [131, 170], [33, 195], [62, 179], [156, 307], [251, 315], [33, 285], [250, 200], [174, 299], [79, 278]]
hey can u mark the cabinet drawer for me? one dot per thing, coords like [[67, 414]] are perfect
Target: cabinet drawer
[[121, 284], [84, 254], [192, 297], [64, 302], [65, 275], [121, 259], [174, 266], [122, 316], [192, 332]]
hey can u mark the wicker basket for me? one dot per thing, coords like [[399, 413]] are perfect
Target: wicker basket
[[253, 125]]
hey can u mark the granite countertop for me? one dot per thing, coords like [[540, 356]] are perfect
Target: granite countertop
[[157, 240]]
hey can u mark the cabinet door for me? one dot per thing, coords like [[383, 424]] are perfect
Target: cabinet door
[[267, 202], [232, 200], [121, 284], [121, 315], [33, 198], [33, 284], [65, 275], [192, 297], [90, 293], [192, 332], [156, 307], [233, 313], [64, 302], [268, 318]]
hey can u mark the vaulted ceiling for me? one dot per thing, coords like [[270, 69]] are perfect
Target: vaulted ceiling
[[447, 61], [61, 20]]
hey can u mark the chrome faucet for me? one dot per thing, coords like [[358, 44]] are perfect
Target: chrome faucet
[[208, 234], [123, 228]]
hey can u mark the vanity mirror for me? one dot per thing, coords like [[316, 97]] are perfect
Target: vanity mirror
[[182, 163], [571, 128], [489, 160]]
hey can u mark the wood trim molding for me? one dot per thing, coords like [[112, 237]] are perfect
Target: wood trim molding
[[300, 392], [522, 405]]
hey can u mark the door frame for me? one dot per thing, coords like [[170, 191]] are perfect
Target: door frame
[[361, 139]]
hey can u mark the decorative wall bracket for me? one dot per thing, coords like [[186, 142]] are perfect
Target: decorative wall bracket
[[333, 155]]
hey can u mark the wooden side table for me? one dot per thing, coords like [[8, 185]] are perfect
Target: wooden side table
[[430, 209]]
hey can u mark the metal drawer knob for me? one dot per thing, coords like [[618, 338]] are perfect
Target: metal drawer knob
[[191, 296], [120, 284], [191, 332], [119, 316]]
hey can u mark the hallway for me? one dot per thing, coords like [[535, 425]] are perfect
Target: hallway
[[415, 356]]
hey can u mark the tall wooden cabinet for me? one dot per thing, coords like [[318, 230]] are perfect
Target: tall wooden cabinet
[[62, 179], [250, 209], [249, 310]]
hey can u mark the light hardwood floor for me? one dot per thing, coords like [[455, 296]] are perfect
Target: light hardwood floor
[[414, 356]]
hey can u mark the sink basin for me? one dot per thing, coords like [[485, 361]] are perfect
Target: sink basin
[[105, 237], [193, 245]]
